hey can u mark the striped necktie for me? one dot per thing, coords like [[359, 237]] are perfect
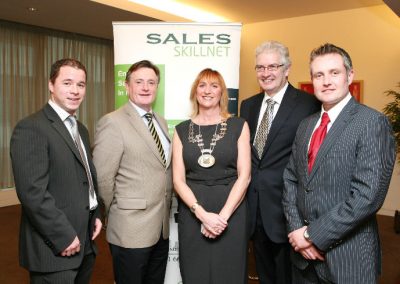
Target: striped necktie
[[264, 127], [153, 131]]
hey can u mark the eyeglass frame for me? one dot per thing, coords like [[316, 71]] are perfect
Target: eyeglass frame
[[271, 67]]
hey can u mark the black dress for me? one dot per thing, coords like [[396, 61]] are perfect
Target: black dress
[[224, 259]]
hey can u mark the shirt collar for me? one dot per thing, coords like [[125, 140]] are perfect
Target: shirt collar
[[60, 111], [335, 111], [278, 97], [141, 111]]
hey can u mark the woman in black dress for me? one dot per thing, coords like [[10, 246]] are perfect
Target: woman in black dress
[[211, 172]]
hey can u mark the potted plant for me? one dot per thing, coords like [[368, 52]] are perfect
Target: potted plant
[[392, 111]]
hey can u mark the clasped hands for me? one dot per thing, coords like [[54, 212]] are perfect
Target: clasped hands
[[303, 246], [213, 225]]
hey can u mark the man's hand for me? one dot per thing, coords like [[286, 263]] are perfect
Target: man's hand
[[97, 228], [297, 240], [312, 253], [303, 246], [73, 248]]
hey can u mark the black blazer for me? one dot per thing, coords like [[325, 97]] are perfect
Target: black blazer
[[53, 189], [266, 184]]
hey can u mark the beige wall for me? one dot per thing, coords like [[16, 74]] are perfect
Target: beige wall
[[370, 35]]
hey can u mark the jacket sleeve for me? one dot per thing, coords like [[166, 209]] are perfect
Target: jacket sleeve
[[373, 166], [30, 162], [107, 155], [290, 189]]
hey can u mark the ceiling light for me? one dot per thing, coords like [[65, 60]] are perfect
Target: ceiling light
[[182, 10], [32, 9]]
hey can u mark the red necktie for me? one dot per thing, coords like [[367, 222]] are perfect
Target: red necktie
[[317, 139]]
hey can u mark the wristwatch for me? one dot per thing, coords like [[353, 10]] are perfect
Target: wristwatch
[[306, 235], [194, 206]]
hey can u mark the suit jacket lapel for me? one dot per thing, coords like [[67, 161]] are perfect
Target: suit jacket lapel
[[285, 109], [254, 114], [86, 144], [60, 127], [305, 142], [137, 123], [164, 128], [334, 133]]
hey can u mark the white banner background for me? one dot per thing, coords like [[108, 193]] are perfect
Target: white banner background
[[181, 50]]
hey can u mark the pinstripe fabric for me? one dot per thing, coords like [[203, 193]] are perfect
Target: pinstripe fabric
[[52, 187], [338, 200]]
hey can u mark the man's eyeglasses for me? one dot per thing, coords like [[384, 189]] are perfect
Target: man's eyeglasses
[[272, 67]]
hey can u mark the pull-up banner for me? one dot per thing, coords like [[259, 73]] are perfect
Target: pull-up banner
[[181, 51]]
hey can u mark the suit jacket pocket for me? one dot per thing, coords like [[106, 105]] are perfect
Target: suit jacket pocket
[[131, 203]]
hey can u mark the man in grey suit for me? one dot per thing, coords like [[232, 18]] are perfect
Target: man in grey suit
[[337, 179], [132, 154], [55, 180], [264, 196]]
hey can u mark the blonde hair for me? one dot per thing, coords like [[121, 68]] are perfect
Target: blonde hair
[[209, 74]]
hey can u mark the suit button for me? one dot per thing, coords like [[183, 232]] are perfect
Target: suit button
[[87, 208], [85, 183], [306, 222], [307, 190]]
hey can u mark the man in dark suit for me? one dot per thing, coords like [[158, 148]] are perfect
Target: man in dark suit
[[337, 179], [273, 116], [56, 184]]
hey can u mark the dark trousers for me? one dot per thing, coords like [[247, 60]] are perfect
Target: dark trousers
[[140, 265], [307, 276], [272, 260], [81, 275]]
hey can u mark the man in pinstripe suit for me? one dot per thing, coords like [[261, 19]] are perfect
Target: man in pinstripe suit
[[56, 184], [330, 200]]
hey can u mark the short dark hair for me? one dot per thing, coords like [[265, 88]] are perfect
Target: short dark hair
[[142, 64], [329, 48], [55, 68]]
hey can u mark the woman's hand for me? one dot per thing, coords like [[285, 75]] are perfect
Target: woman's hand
[[207, 233], [212, 223]]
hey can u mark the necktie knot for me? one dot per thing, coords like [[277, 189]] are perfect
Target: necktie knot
[[72, 120], [149, 116], [325, 119], [270, 102]]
